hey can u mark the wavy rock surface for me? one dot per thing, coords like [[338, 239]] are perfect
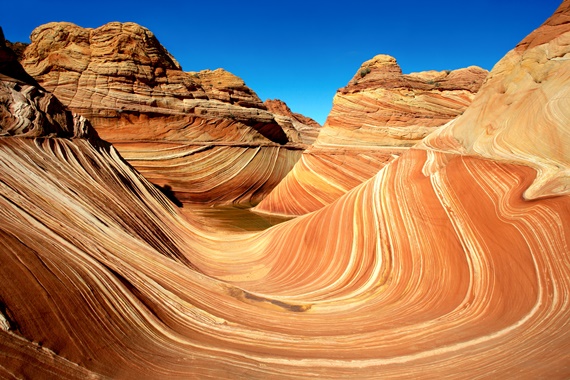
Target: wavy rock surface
[[522, 115], [376, 117], [436, 267], [136, 95]]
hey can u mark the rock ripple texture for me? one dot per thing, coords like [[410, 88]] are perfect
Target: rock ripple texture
[[136, 95], [376, 117], [436, 267]]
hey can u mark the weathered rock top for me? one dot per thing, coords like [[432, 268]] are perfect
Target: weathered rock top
[[27, 110], [384, 71], [129, 55]]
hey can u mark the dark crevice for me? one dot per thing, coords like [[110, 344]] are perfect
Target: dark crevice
[[12, 324], [144, 300], [167, 191]]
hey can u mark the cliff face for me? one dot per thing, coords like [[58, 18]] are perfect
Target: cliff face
[[376, 117], [161, 118]]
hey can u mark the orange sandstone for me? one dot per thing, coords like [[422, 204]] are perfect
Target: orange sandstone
[[376, 117], [136, 95], [438, 266]]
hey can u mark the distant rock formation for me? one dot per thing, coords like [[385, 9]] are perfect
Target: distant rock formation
[[279, 107], [376, 117], [172, 125], [383, 107], [308, 127]]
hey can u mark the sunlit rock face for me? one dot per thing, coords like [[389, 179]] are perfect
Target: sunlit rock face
[[383, 107], [136, 95], [522, 116], [376, 117], [436, 267]]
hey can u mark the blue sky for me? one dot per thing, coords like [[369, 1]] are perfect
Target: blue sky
[[302, 51]]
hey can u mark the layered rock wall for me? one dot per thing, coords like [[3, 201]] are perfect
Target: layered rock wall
[[376, 117], [136, 95]]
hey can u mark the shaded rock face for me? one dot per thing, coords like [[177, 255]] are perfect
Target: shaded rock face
[[308, 128], [376, 117], [9, 66], [27, 110], [136, 95], [436, 267], [18, 48]]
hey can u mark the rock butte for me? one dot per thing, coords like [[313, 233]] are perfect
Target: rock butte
[[376, 117], [437, 267], [205, 134]]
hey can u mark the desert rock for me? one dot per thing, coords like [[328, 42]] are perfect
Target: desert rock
[[376, 117], [435, 267], [308, 128], [136, 95]]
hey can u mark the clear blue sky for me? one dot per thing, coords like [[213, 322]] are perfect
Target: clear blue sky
[[302, 51]]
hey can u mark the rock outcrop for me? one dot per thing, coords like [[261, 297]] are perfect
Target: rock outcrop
[[436, 267], [376, 117], [27, 110], [383, 107], [521, 116], [308, 128], [161, 118]]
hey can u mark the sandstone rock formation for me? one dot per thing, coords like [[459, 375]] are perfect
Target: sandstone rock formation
[[436, 267], [376, 117], [26, 110], [308, 128], [529, 92], [170, 124], [383, 107]]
